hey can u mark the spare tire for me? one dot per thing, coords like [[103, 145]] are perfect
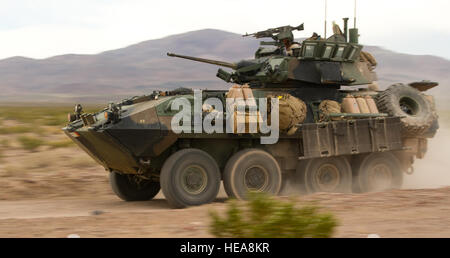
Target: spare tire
[[431, 132], [404, 101]]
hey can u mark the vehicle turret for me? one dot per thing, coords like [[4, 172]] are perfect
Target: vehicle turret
[[333, 61]]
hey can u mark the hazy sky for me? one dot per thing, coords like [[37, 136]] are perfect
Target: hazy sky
[[46, 28]]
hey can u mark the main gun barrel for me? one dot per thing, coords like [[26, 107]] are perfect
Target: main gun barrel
[[208, 61]]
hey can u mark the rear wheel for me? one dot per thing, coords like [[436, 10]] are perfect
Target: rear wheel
[[132, 188], [377, 172], [251, 170], [190, 177], [326, 175]]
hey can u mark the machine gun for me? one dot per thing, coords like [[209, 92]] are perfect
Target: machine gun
[[272, 67], [270, 33]]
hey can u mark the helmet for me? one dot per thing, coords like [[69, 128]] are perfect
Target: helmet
[[285, 35]]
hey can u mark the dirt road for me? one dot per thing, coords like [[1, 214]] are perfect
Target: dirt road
[[400, 213]]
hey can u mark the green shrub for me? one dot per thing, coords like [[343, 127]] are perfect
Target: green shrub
[[30, 143], [265, 217]]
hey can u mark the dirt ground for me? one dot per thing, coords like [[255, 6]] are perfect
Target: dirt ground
[[56, 192], [400, 213]]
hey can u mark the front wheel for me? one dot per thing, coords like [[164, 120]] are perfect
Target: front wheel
[[132, 188], [190, 177]]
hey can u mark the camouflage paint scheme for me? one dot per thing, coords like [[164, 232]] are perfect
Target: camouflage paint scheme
[[140, 139], [143, 133], [311, 64]]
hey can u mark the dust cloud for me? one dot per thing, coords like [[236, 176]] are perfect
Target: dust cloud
[[434, 170]]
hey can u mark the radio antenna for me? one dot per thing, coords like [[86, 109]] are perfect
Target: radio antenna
[[354, 21], [325, 30]]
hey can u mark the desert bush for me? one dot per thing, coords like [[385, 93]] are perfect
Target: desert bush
[[30, 143], [266, 217]]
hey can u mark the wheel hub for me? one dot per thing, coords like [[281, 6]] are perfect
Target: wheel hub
[[194, 179], [256, 178], [327, 178]]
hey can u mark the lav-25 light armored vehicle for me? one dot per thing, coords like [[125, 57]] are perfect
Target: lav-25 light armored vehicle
[[332, 138]]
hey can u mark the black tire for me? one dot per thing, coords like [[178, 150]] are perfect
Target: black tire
[[127, 188], [326, 175], [409, 103], [377, 172], [190, 177], [251, 170]]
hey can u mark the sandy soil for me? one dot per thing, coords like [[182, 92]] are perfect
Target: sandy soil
[[57, 192], [400, 213]]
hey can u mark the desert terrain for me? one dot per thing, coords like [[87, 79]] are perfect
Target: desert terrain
[[50, 188]]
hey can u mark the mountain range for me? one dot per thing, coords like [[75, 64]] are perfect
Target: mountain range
[[144, 67]]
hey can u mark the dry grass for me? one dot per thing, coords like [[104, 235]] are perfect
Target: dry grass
[[5, 143], [9, 171], [40, 115], [20, 129], [37, 159], [30, 143], [60, 144], [52, 130], [81, 162], [37, 162], [23, 124]]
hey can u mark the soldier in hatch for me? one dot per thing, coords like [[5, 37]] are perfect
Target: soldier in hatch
[[314, 36], [287, 38]]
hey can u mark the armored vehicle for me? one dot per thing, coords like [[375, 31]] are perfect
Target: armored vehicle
[[331, 128]]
